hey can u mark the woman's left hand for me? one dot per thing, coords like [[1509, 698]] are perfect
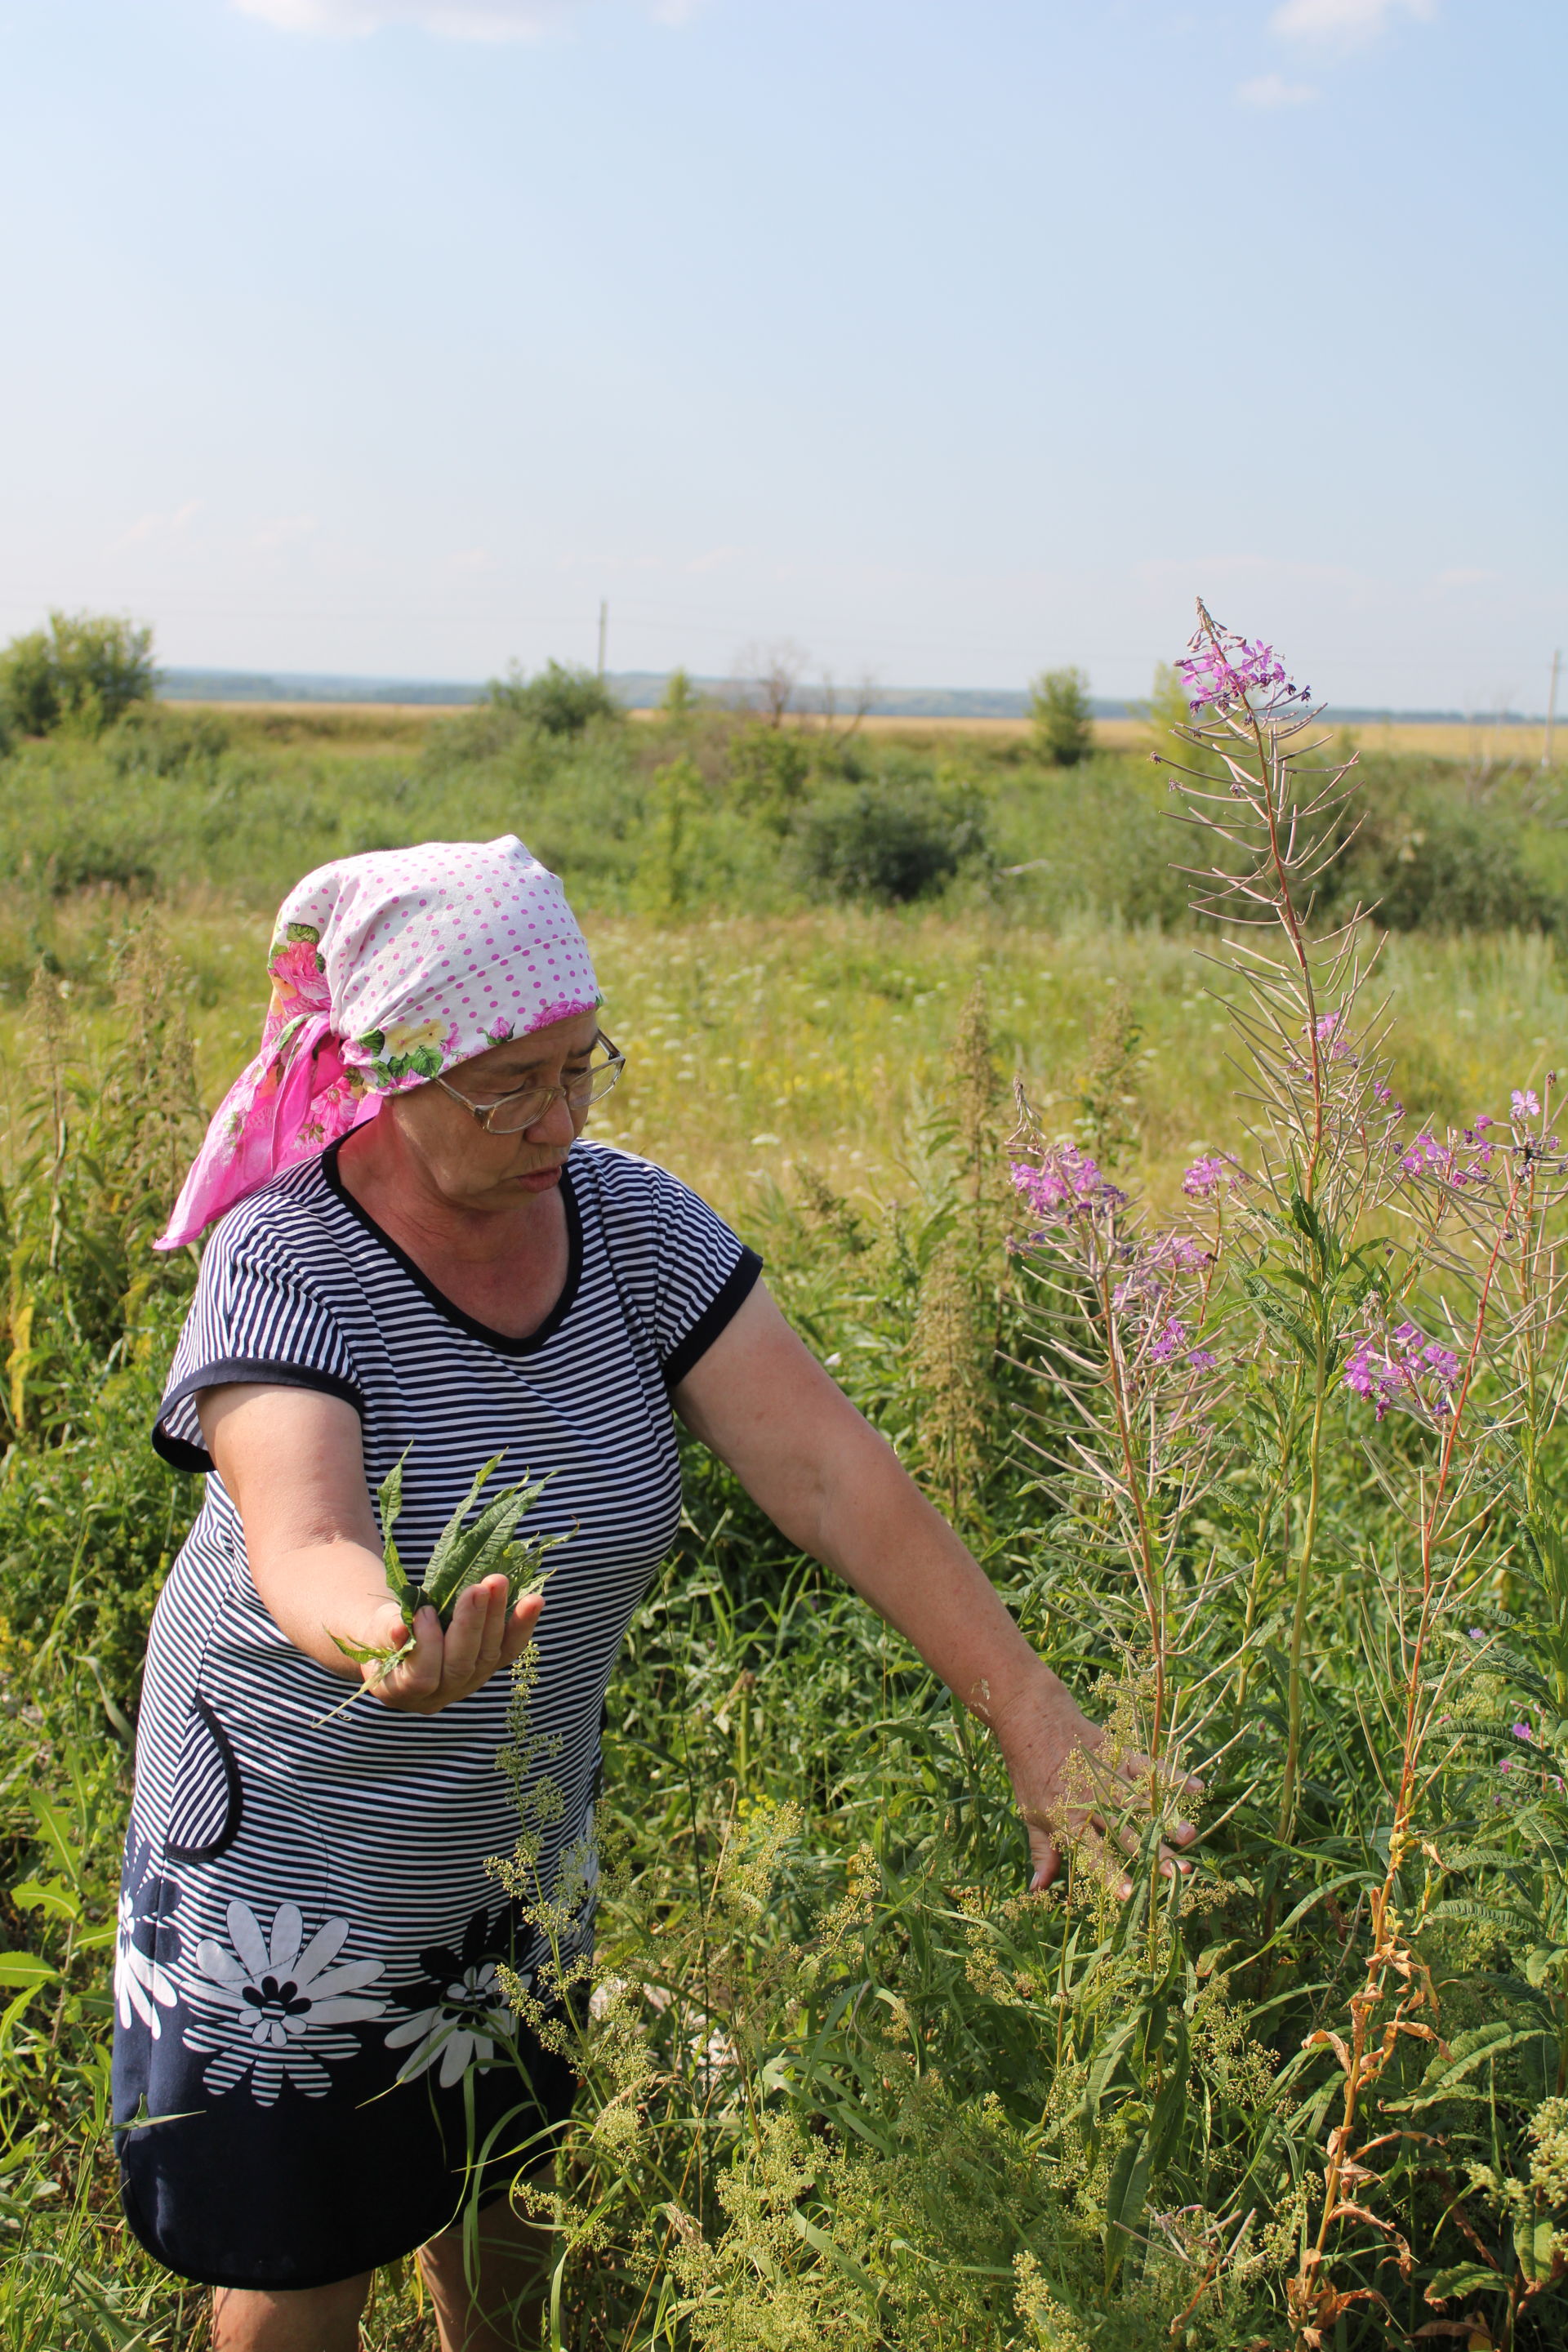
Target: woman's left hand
[[1068, 1795]]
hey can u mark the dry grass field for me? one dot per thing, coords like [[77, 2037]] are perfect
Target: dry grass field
[[1473, 740]]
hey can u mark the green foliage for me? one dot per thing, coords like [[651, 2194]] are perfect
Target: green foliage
[[83, 672], [1437, 860], [1064, 723], [899, 838], [770, 774], [557, 699]]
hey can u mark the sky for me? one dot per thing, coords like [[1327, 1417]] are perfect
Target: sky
[[946, 340]]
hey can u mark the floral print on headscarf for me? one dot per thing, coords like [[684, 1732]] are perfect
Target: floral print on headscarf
[[386, 970]]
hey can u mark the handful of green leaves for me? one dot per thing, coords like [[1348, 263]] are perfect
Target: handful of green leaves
[[462, 1556]]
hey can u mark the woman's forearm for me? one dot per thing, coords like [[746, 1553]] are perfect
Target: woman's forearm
[[879, 1532], [315, 1590]]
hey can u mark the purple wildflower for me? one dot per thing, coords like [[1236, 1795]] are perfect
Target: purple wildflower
[[1169, 1341], [1477, 1634], [1202, 1359], [1523, 1731], [1526, 1103], [1443, 1362], [1326, 1032], [1221, 670], [1068, 1180], [1483, 1120], [1204, 1176]]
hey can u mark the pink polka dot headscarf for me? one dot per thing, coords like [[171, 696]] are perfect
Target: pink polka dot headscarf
[[386, 970]]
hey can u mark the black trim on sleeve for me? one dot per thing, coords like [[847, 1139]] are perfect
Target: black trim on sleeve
[[720, 1310], [180, 1454]]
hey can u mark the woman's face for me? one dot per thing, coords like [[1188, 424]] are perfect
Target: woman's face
[[495, 1172]]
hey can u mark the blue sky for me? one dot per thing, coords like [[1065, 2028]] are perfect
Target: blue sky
[[947, 338]]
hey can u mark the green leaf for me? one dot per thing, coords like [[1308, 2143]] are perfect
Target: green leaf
[[389, 1498], [1467, 2051], [1125, 2200], [27, 1969], [1533, 2244], [451, 1535], [1465, 2278], [844, 2264], [363, 1655], [40, 1895]]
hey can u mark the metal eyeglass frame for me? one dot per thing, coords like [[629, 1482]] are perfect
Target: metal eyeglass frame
[[615, 1061]]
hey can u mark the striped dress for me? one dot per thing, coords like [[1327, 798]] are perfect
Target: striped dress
[[311, 2053]]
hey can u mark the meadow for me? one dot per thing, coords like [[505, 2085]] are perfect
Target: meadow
[[844, 2083]]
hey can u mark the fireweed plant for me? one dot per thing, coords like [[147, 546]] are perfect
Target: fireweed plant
[[1414, 1280]]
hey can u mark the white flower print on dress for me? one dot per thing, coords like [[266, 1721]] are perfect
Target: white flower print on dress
[[141, 1984], [282, 2008], [467, 2014]]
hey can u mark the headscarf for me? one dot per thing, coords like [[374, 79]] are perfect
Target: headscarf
[[386, 970]]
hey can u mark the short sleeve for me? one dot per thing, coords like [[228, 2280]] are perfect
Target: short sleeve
[[689, 1271], [256, 1315]]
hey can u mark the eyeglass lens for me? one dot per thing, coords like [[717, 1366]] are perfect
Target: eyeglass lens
[[508, 1117]]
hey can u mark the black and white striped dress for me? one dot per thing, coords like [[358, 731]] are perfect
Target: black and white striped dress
[[311, 2053]]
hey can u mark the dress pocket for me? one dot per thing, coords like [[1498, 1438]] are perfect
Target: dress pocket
[[209, 1802]]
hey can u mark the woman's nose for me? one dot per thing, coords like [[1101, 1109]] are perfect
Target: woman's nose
[[553, 1125]]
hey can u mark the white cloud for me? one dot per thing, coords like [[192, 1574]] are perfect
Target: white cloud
[[1272, 90], [1345, 22], [460, 20], [159, 525], [1459, 577]]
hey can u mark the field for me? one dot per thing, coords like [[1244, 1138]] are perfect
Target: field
[[845, 2085]]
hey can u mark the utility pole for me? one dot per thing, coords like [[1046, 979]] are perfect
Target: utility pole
[[1552, 708], [604, 630]]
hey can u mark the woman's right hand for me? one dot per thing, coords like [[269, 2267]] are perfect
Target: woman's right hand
[[443, 1668]]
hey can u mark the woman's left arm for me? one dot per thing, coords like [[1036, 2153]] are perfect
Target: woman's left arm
[[762, 1401]]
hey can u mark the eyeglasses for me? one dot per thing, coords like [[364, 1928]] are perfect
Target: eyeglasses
[[512, 1113]]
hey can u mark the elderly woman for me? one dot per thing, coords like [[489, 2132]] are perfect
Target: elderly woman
[[420, 1259]]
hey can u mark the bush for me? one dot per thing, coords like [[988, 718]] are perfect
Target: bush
[[769, 771], [890, 841], [85, 670], [1058, 705], [1426, 860], [155, 739], [559, 700]]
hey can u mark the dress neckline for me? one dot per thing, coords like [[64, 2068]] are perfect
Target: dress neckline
[[503, 1344]]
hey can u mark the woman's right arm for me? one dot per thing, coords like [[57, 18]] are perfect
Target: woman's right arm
[[293, 1461]]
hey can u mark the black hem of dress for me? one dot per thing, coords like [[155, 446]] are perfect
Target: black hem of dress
[[180, 1453], [499, 1340], [230, 2281], [720, 1310]]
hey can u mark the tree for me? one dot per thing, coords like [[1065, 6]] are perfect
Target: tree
[[85, 670], [559, 700], [680, 698], [770, 674], [1064, 725]]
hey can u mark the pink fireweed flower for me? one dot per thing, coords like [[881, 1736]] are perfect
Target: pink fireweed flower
[[1169, 1341], [1525, 1103], [1150, 1265], [1203, 1359], [1523, 1731], [1406, 1368], [1224, 672], [1208, 1174], [1326, 1032], [1066, 1180], [1424, 1154]]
